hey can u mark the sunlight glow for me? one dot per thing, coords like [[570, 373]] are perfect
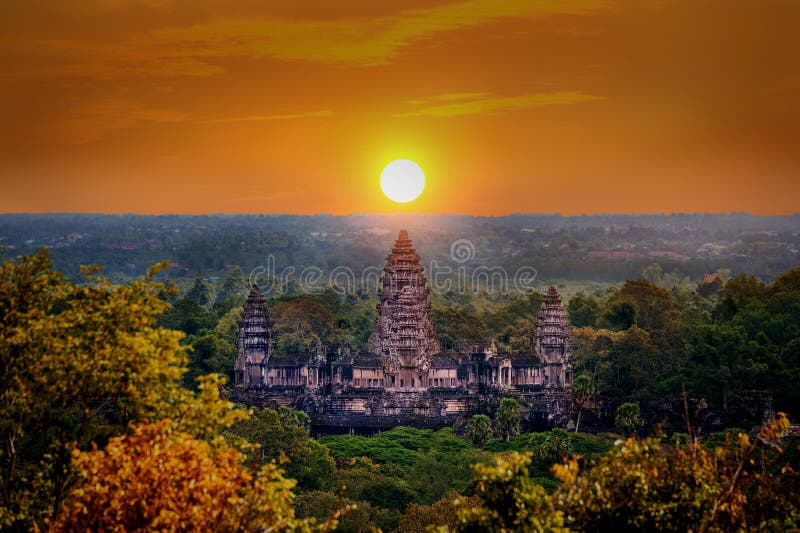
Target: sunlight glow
[[402, 180]]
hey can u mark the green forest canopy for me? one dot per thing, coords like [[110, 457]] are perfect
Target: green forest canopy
[[93, 382]]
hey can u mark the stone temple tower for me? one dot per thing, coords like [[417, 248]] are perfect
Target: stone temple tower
[[404, 335], [255, 341], [553, 341]]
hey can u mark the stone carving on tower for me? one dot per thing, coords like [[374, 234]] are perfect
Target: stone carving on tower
[[553, 342], [255, 341], [403, 334]]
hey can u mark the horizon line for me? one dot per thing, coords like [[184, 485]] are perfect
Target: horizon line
[[393, 214]]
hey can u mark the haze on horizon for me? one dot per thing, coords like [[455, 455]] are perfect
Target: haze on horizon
[[571, 106]]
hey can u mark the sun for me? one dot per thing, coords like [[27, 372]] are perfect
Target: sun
[[402, 180]]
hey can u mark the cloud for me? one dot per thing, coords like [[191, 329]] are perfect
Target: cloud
[[289, 116], [93, 121], [362, 41], [458, 96], [483, 104], [194, 50]]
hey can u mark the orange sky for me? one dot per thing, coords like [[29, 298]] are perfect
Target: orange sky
[[248, 106]]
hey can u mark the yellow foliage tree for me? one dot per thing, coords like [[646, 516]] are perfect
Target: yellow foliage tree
[[80, 362], [160, 479], [508, 499], [645, 485], [444, 514], [649, 485]]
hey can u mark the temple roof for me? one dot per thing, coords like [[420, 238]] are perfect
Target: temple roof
[[525, 360], [289, 360], [367, 361], [475, 346], [403, 327], [444, 361]]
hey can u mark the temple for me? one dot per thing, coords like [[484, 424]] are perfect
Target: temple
[[405, 377]]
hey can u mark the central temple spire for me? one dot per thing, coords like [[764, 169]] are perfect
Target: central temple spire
[[403, 330]]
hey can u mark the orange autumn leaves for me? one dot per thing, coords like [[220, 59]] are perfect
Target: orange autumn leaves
[[98, 432], [155, 478], [160, 479], [651, 485]]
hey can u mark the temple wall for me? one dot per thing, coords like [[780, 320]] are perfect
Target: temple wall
[[368, 377], [284, 375], [501, 374], [443, 377], [376, 408], [527, 375]]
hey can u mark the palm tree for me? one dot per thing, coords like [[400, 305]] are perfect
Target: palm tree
[[628, 417], [582, 390], [507, 420], [479, 430]]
